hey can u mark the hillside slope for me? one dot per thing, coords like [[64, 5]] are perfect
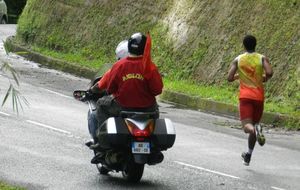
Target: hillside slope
[[193, 40]]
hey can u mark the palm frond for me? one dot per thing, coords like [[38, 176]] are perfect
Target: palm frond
[[6, 67], [6, 47], [7, 94], [17, 99]]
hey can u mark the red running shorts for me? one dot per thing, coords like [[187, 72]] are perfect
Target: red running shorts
[[250, 110]]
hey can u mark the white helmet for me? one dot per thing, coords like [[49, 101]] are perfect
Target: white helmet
[[122, 49]]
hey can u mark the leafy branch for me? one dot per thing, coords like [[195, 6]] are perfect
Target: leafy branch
[[17, 99]]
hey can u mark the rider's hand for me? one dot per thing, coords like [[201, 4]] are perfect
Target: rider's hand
[[79, 95], [89, 91]]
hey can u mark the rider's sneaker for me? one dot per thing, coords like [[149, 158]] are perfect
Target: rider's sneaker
[[246, 157], [94, 146], [98, 158], [89, 143], [259, 135]]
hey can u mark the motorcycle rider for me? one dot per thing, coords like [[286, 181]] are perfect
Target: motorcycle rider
[[121, 52], [133, 83]]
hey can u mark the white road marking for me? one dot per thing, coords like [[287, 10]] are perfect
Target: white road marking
[[48, 127], [207, 170], [277, 188], [6, 114], [57, 93]]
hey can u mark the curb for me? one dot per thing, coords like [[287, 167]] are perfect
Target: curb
[[49, 61], [193, 102], [197, 103], [223, 109]]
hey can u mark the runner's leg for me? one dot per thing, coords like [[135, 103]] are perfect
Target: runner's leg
[[246, 116], [259, 107]]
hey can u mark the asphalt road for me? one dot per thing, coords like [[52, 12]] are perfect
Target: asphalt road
[[42, 147]]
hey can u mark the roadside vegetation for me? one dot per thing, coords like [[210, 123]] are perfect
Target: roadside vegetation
[[4, 186], [193, 42]]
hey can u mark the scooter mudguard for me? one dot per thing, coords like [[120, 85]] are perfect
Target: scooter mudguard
[[140, 158]]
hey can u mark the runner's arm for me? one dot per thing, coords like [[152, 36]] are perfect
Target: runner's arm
[[232, 72], [267, 68]]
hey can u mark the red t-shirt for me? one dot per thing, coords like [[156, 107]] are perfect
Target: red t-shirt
[[103, 83], [127, 83]]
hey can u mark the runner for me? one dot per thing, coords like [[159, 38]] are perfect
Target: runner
[[251, 69]]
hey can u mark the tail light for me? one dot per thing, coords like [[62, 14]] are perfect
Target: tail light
[[140, 129]]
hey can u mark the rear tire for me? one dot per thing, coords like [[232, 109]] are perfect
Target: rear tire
[[133, 172]]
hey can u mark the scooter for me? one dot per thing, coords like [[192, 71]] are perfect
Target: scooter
[[130, 141]]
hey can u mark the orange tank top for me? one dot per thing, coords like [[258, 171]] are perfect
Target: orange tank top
[[250, 70]]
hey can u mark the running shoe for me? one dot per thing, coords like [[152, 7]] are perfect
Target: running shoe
[[99, 156], [259, 135], [246, 157]]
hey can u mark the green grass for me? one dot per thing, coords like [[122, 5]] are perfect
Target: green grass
[[217, 93], [4, 186], [76, 57], [228, 94]]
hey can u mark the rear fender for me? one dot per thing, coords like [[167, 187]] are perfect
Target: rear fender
[[140, 158]]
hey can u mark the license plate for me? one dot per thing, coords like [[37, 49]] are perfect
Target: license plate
[[140, 147]]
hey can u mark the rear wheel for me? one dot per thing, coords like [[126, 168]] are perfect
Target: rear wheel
[[133, 172]]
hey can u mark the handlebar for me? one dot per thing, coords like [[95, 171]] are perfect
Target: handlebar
[[87, 95], [82, 95]]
